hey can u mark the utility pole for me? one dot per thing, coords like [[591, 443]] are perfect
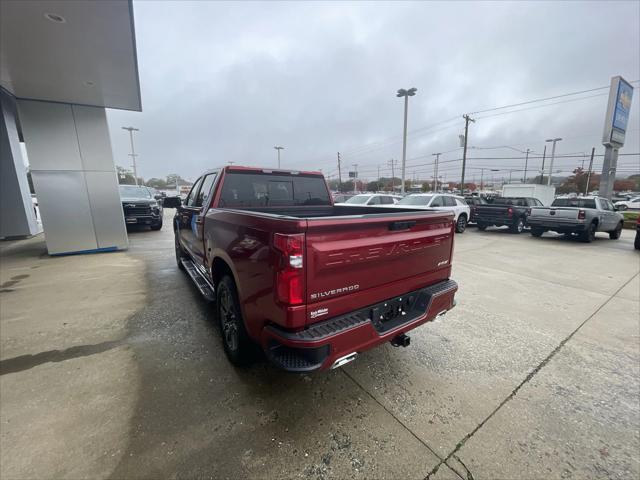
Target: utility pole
[[586, 188], [133, 153], [544, 154], [378, 176], [355, 180], [278, 149], [406, 94], [510, 175], [435, 170], [553, 154], [467, 119], [339, 173], [526, 161], [393, 163]]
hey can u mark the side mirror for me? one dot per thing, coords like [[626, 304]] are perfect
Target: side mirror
[[158, 196], [172, 202]]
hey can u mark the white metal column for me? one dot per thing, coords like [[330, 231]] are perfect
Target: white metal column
[[74, 176]]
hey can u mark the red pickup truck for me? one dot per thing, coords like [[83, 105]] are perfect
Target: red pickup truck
[[313, 284]]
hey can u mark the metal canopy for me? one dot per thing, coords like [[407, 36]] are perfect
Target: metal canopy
[[70, 51]]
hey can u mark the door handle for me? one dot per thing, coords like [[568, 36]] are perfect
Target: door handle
[[199, 220], [401, 225]]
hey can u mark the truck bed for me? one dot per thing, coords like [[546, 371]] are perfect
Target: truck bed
[[328, 211]]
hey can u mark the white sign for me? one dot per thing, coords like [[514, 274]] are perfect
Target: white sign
[[618, 109]]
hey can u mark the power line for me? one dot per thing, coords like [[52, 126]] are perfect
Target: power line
[[545, 99]]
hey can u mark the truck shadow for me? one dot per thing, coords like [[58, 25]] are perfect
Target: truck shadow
[[198, 416]]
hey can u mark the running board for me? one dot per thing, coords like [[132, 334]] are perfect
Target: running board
[[202, 284]]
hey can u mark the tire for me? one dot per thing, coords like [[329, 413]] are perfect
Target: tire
[[482, 227], [517, 226], [157, 226], [461, 224], [179, 253], [537, 232], [589, 235], [636, 242], [615, 234], [238, 347]]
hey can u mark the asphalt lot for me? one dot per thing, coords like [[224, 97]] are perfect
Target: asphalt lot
[[112, 367]]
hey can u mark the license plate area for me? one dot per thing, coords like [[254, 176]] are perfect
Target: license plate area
[[399, 310]]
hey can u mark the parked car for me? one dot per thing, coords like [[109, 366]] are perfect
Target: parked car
[[440, 201], [310, 283], [633, 203], [636, 242], [473, 202], [582, 216], [506, 211], [371, 199], [140, 207], [341, 197]]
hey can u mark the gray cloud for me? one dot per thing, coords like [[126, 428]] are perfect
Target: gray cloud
[[227, 81]]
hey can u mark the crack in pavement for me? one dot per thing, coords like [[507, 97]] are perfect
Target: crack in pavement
[[413, 434], [531, 374]]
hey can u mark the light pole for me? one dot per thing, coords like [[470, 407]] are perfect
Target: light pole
[[553, 154], [355, 180], [278, 149], [526, 162], [482, 175], [133, 153], [435, 170], [406, 94]]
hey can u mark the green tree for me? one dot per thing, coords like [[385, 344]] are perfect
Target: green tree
[[174, 178], [157, 183]]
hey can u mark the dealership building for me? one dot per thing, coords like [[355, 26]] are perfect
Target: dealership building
[[62, 64]]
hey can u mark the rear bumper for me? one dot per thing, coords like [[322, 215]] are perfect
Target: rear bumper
[[557, 226], [319, 346]]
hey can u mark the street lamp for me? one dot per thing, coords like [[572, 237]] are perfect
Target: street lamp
[[278, 149], [553, 154], [133, 153], [406, 94]]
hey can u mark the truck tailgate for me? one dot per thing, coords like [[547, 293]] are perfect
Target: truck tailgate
[[490, 212], [555, 213], [386, 254]]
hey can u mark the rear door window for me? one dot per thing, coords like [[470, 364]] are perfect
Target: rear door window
[[205, 190], [437, 202], [374, 201], [449, 201]]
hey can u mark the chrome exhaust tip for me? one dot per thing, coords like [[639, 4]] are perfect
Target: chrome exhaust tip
[[344, 360]]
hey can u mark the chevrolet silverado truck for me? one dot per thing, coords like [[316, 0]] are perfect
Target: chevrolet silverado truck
[[505, 211], [311, 283], [581, 216], [140, 207]]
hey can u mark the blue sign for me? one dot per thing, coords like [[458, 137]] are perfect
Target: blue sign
[[623, 106]]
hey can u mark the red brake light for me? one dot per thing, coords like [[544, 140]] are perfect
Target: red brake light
[[290, 273], [582, 214], [510, 211]]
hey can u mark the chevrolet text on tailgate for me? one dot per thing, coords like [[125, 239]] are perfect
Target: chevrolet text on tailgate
[[310, 283]]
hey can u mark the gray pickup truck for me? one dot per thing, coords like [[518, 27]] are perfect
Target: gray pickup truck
[[581, 216]]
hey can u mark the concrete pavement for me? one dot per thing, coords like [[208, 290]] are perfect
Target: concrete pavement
[[112, 367]]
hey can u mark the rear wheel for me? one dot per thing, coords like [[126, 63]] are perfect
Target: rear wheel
[[537, 232], [517, 226], [615, 234], [238, 346], [461, 224], [589, 235]]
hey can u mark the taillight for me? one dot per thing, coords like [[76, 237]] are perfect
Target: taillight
[[582, 214], [510, 211], [290, 274]]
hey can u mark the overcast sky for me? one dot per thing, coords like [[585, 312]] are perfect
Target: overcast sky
[[226, 82]]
